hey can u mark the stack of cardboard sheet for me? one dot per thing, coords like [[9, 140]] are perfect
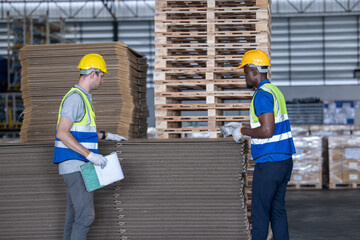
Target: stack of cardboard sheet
[[183, 189], [192, 189], [49, 71], [33, 197]]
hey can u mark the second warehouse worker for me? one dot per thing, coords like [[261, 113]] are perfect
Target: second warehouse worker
[[272, 147], [76, 143]]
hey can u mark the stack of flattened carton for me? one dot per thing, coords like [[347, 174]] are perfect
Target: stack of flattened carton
[[172, 190], [49, 71], [33, 196], [183, 189], [344, 162]]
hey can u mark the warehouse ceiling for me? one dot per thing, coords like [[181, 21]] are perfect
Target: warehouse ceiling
[[313, 42]]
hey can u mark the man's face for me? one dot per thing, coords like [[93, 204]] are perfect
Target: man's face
[[249, 77], [98, 79]]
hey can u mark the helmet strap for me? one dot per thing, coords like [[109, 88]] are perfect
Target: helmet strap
[[263, 69], [88, 71]]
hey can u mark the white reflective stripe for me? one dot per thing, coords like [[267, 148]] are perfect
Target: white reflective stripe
[[78, 128], [281, 118], [277, 106], [87, 145], [275, 138]]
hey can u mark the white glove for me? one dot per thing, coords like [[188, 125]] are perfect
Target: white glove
[[232, 129], [237, 134], [115, 137], [97, 159]]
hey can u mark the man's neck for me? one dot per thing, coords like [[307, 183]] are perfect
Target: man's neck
[[82, 83], [259, 81]]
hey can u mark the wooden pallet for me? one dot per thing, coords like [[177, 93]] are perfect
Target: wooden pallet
[[197, 15], [344, 185], [240, 95], [217, 26], [206, 4], [204, 106], [181, 133], [307, 186], [207, 51]]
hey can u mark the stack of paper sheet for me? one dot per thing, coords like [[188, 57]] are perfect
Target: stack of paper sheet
[[49, 71]]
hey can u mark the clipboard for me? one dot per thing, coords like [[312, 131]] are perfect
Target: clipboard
[[95, 177]]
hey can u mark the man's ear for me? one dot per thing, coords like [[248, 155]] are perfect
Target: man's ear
[[254, 71], [92, 74]]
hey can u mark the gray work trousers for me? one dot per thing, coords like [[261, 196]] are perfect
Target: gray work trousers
[[80, 212]]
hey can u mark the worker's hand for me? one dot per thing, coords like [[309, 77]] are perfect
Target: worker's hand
[[237, 134], [97, 159], [115, 137], [232, 129]]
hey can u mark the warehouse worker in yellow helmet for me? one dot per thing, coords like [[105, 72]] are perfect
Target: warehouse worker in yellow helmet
[[272, 147], [76, 143]]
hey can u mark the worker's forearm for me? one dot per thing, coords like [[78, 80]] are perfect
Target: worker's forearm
[[260, 132], [68, 139]]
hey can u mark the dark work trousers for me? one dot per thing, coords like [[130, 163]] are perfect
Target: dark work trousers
[[80, 212], [268, 199]]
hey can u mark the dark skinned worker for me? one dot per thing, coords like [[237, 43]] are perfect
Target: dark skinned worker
[[76, 143], [272, 147]]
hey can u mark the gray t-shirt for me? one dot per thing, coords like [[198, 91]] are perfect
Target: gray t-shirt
[[73, 109]]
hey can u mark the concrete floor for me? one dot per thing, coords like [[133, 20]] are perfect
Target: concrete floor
[[323, 214]]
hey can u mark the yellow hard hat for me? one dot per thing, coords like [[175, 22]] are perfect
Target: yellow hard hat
[[93, 61], [255, 57]]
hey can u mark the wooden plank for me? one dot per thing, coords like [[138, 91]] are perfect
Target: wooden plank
[[196, 106], [304, 186], [203, 119], [220, 94], [344, 185]]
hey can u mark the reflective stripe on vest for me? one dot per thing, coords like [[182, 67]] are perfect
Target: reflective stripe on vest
[[84, 132], [281, 141]]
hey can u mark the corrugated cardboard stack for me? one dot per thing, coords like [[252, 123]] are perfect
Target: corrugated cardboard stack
[[183, 189], [344, 162], [49, 71], [172, 189], [199, 44], [33, 197], [308, 163]]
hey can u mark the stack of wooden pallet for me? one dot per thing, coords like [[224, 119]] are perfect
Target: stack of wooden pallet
[[49, 71], [199, 44]]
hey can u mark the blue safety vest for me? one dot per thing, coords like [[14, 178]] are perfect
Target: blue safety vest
[[84, 132], [281, 142]]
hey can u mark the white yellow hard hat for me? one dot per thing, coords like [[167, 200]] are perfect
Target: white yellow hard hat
[[92, 62]]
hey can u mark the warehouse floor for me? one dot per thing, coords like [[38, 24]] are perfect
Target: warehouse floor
[[323, 214]]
